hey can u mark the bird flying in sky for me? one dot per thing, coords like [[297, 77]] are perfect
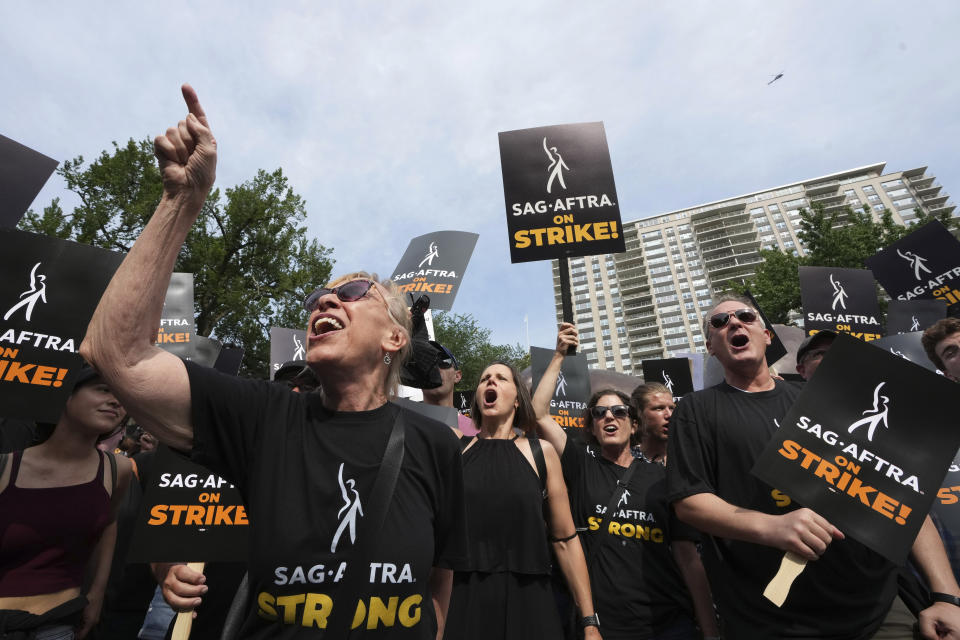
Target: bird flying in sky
[[775, 78]]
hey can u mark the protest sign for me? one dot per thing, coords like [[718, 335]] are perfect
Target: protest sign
[[188, 514], [572, 391], [904, 316], [673, 373], [177, 328], [560, 194], [776, 348], [866, 445], [23, 172], [229, 359], [48, 293], [286, 345], [908, 346], [841, 300], [923, 264], [434, 264], [205, 351], [462, 400], [446, 415]]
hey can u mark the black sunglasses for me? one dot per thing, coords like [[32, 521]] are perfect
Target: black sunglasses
[[446, 363], [720, 320], [347, 292], [618, 411]]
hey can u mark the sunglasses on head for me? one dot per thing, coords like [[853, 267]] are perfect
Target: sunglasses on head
[[720, 320], [618, 411], [347, 292]]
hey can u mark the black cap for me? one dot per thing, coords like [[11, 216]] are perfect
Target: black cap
[[446, 353], [289, 370], [811, 341]]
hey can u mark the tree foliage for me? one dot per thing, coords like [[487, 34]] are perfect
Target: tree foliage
[[248, 251], [843, 238], [470, 343]]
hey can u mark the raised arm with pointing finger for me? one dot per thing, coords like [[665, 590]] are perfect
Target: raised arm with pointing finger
[[150, 382]]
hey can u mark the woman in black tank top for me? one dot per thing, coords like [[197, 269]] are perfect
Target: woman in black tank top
[[57, 527], [506, 591]]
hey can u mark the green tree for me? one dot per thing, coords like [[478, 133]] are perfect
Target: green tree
[[470, 343], [251, 259], [842, 238]]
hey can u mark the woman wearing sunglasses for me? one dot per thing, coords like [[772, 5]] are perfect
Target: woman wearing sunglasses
[[505, 592], [307, 465], [645, 572]]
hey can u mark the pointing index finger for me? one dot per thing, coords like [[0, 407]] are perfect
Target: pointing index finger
[[193, 104]]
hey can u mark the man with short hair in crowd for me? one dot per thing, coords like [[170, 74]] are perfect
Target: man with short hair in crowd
[[942, 344], [718, 434], [442, 396], [811, 352]]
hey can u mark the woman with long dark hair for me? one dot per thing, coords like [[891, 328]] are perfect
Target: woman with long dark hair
[[505, 592], [58, 519], [647, 579]]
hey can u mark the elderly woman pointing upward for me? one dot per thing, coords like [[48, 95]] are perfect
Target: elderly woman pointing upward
[[354, 503]]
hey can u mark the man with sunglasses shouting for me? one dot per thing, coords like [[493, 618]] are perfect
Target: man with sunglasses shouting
[[718, 433]]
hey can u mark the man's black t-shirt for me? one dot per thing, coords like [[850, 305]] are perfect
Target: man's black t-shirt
[[716, 436], [306, 474], [637, 587]]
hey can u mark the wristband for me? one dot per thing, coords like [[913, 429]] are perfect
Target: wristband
[[590, 621], [936, 596]]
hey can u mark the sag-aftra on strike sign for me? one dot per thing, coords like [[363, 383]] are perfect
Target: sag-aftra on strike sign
[[560, 196]]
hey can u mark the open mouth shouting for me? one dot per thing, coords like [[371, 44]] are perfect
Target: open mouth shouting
[[324, 324], [739, 341], [490, 397]]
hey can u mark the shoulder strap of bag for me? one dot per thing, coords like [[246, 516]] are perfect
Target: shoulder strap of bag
[[618, 490], [113, 473], [3, 462], [537, 450], [380, 498]]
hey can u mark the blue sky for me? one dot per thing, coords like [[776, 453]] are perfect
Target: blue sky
[[385, 115]]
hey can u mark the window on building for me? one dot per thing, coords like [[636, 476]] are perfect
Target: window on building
[[878, 207], [868, 188], [873, 198], [773, 208], [897, 192], [890, 184]]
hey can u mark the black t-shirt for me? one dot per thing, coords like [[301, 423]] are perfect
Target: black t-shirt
[[716, 436], [637, 587], [946, 513], [305, 474]]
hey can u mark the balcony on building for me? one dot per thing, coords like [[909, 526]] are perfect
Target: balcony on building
[[829, 186]]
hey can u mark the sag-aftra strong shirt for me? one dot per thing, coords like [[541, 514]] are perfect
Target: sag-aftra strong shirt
[[306, 475]]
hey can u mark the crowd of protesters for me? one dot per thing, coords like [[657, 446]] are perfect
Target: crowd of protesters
[[651, 522]]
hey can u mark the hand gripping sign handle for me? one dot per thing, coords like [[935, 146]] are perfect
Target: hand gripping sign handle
[[790, 567], [181, 628]]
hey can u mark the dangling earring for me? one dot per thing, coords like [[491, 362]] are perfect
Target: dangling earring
[[387, 359]]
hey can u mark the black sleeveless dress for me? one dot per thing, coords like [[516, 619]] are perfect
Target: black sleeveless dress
[[506, 591]]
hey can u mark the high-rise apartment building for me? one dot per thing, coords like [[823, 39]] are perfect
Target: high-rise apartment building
[[648, 301]]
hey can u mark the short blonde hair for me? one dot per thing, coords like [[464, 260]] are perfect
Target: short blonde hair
[[398, 312]]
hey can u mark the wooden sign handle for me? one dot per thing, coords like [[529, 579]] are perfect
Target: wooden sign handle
[[790, 567], [181, 628]]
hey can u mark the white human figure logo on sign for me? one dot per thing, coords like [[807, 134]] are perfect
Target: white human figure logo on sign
[[28, 299], [667, 382], [556, 166], [839, 294], [875, 415], [298, 353], [900, 353], [915, 326], [623, 499], [916, 262], [348, 512], [561, 389], [431, 254]]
